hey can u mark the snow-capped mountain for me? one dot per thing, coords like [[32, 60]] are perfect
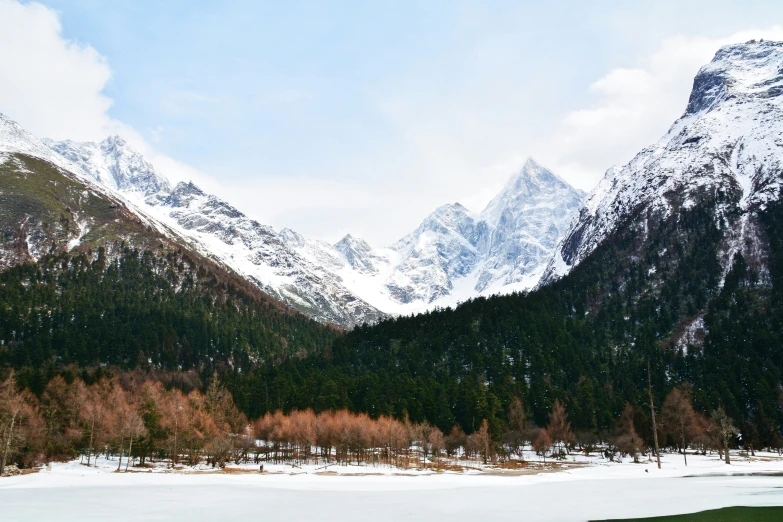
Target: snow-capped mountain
[[525, 222], [261, 254], [440, 250], [503, 249], [114, 164], [453, 255], [15, 139], [727, 147], [213, 227], [49, 204], [359, 255], [271, 260]]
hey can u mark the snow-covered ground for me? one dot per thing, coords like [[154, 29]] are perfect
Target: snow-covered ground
[[596, 491]]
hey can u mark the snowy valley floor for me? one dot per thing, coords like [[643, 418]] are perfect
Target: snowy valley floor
[[593, 491]]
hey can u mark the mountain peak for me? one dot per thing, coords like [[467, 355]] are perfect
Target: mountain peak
[[291, 237], [535, 172], [450, 209], [531, 164], [358, 253], [531, 182], [753, 68], [727, 142], [188, 189], [351, 242], [114, 163], [114, 141], [15, 139]]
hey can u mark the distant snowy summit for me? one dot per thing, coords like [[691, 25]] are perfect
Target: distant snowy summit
[[726, 152], [452, 256], [114, 164]]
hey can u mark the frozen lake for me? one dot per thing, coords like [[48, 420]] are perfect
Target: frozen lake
[[73, 492]]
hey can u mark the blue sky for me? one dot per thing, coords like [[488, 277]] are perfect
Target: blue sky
[[335, 117]]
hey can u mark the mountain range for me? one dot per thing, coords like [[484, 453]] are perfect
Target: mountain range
[[669, 274], [452, 256], [532, 233]]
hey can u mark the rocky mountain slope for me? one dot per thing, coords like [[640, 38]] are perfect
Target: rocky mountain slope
[[49, 205], [89, 277], [452, 256], [726, 151]]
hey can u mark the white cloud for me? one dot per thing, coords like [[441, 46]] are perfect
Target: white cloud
[[53, 85], [454, 136], [633, 107]]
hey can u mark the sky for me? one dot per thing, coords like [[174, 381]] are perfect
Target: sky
[[330, 117]]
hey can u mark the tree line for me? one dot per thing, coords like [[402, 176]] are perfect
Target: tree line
[[584, 343], [138, 420]]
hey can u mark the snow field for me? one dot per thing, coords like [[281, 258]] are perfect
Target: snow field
[[598, 490]]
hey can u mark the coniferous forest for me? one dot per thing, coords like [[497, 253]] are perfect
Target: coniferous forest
[[592, 346]]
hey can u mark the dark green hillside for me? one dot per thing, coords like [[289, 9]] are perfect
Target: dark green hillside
[[127, 296], [131, 298], [585, 340], [143, 310]]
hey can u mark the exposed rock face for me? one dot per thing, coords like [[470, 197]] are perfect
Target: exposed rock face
[[218, 230], [359, 254], [727, 147], [349, 283]]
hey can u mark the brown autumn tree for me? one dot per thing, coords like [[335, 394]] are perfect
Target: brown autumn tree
[[481, 442], [175, 418], [420, 434], [127, 424], [516, 437], [12, 410], [219, 404], [133, 429], [543, 443], [455, 440], [95, 414], [679, 418], [302, 433], [60, 413], [151, 399], [558, 427], [436, 442], [627, 440]]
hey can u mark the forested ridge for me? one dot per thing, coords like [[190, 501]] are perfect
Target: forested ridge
[[143, 309], [585, 342]]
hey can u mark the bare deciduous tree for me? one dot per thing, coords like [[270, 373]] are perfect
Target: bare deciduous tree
[[724, 430]]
